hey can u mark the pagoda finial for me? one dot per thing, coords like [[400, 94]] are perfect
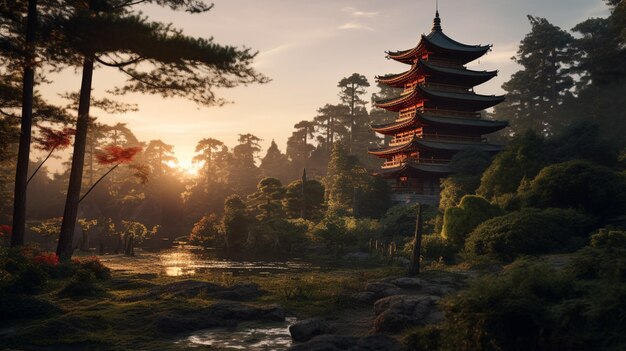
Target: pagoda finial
[[437, 20]]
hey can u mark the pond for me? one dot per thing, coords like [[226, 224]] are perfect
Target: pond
[[253, 337], [186, 260]]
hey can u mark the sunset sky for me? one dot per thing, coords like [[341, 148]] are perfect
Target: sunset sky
[[306, 47]]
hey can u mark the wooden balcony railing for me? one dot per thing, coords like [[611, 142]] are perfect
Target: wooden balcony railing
[[398, 163], [438, 137]]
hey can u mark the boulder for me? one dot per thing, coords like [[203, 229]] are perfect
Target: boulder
[[364, 297], [395, 313], [381, 289], [305, 330], [408, 283], [239, 292], [377, 342], [220, 314]]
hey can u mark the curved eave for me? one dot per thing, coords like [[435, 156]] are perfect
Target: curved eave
[[434, 145], [414, 168], [470, 100], [455, 147], [398, 103], [480, 126], [458, 76], [438, 42]]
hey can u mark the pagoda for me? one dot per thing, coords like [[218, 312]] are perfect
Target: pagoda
[[439, 114]]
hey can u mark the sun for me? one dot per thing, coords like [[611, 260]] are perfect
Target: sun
[[187, 168]]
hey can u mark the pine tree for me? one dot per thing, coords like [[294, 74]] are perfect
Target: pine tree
[[155, 57], [535, 93], [275, 164], [351, 90]]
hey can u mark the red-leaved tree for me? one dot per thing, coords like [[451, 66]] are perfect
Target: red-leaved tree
[[51, 140], [117, 155]]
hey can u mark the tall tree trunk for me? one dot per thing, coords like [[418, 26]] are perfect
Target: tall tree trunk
[[414, 267], [23, 156], [64, 248], [92, 147]]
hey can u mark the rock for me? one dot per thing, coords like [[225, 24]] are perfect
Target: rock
[[356, 256], [327, 343], [381, 289], [242, 312], [308, 328], [193, 288], [364, 297], [240, 292], [220, 314], [377, 342], [395, 313], [406, 282]]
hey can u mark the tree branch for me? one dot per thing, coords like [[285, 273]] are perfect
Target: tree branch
[[119, 64], [41, 164], [99, 180]]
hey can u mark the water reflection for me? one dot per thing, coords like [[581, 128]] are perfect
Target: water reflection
[[253, 338], [189, 261]]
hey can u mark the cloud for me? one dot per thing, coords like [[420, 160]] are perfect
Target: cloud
[[354, 25], [356, 13]]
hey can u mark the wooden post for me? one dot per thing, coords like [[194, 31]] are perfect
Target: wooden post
[[414, 267]]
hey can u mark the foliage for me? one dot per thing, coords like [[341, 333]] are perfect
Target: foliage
[[528, 232], [93, 265], [436, 248], [522, 158], [333, 232], [277, 236], [82, 285], [459, 221], [267, 200], [113, 154], [21, 273], [581, 185], [537, 91], [207, 232], [531, 306], [312, 195], [235, 223], [51, 139]]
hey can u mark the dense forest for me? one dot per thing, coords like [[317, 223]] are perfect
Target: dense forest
[[532, 240]]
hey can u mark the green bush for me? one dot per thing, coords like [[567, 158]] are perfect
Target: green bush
[[82, 285], [581, 185], [528, 232], [14, 307], [93, 265], [436, 248], [459, 221], [532, 306], [423, 339], [19, 273], [207, 232]]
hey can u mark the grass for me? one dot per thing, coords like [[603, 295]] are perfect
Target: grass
[[106, 322]]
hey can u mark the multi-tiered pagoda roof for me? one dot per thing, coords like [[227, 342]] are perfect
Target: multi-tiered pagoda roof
[[439, 114]]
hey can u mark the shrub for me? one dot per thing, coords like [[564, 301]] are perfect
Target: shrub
[[436, 248], [459, 221], [577, 184], [207, 232], [14, 307], [92, 264], [531, 306], [48, 259], [528, 232], [504, 312], [83, 284]]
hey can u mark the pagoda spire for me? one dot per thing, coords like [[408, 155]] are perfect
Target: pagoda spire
[[437, 21]]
